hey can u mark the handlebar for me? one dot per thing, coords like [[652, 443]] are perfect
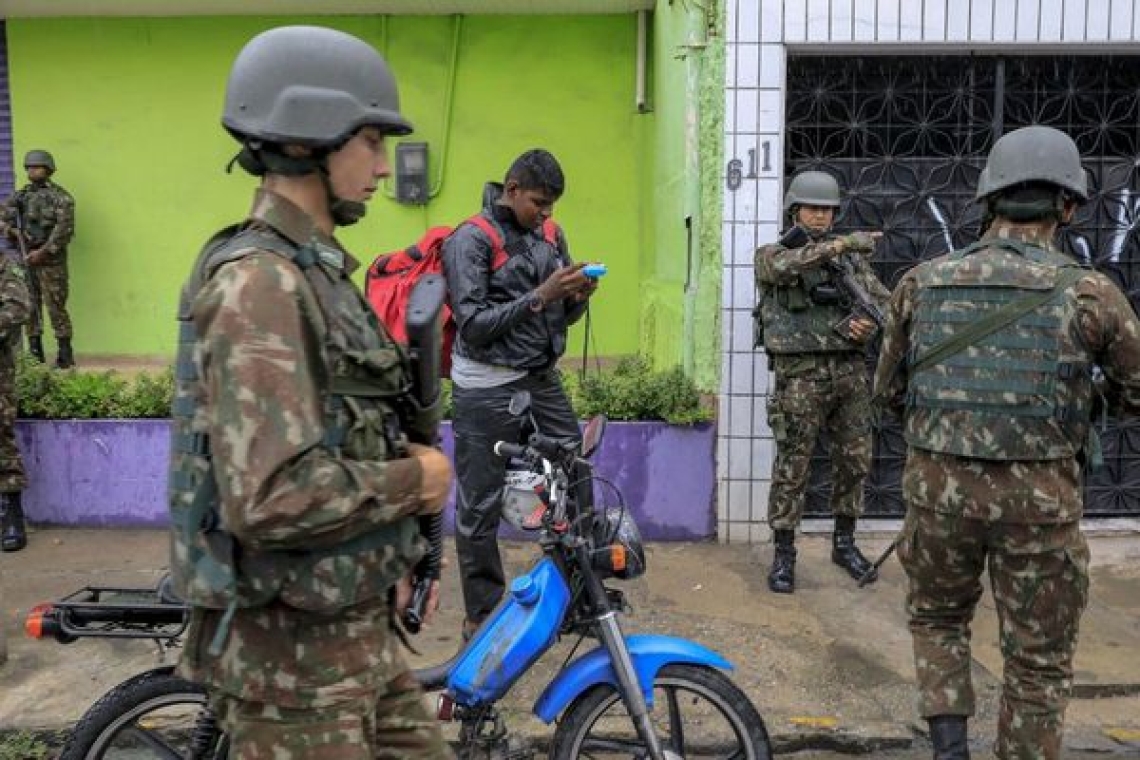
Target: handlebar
[[539, 447], [512, 450]]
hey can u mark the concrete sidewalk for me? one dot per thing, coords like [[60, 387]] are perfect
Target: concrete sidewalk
[[828, 667]]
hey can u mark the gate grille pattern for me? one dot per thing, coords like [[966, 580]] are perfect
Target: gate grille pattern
[[907, 138]]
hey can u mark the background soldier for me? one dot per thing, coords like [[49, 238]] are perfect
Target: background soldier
[[989, 350], [13, 313], [292, 501], [821, 374], [44, 214]]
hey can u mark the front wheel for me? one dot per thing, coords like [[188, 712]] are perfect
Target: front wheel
[[152, 715], [697, 711]]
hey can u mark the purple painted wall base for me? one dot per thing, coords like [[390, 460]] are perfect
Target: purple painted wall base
[[106, 473]]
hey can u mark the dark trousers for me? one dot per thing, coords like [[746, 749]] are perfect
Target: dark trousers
[[481, 418]]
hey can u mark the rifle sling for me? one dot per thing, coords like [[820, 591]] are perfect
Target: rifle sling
[[995, 321]]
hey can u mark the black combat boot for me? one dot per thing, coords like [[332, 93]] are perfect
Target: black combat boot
[[64, 359], [13, 533], [36, 348], [846, 554], [782, 576], [948, 736]]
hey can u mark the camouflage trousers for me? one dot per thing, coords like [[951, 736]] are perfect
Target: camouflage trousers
[[819, 393], [12, 475], [52, 289], [1039, 579], [296, 685]]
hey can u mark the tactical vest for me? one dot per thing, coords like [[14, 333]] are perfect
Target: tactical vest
[[800, 317], [1022, 392], [369, 374], [38, 206]]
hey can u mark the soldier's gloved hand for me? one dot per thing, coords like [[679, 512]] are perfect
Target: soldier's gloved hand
[[861, 242], [37, 257], [436, 482]]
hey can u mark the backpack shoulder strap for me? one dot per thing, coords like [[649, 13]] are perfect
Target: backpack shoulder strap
[[550, 231], [498, 249]]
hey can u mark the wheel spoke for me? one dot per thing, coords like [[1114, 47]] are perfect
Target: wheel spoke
[[676, 729], [703, 713], [152, 740]]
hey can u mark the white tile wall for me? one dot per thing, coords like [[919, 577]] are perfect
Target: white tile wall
[[759, 35]]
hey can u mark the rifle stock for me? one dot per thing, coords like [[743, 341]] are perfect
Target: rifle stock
[[425, 341], [425, 337]]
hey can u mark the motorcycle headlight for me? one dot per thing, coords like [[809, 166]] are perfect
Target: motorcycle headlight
[[618, 551]]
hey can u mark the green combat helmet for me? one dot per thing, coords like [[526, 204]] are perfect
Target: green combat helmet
[[312, 86], [39, 158], [812, 188], [1033, 154]]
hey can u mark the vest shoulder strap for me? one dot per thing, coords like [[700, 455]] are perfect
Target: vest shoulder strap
[[996, 320]]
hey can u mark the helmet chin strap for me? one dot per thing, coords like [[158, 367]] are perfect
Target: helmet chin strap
[[344, 212], [258, 159]]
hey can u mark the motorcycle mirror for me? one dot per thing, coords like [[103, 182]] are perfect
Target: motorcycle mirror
[[592, 434], [520, 403]]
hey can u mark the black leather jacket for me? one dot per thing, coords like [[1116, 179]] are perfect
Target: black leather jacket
[[492, 308]]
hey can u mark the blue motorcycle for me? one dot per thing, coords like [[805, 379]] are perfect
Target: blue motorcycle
[[642, 696]]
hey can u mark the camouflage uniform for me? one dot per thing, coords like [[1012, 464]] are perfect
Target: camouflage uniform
[[49, 221], [821, 377], [13, 313], [274, 411], [996, 436]]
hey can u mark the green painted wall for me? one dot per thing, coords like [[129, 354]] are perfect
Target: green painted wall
[[131, 108], [681, 277]]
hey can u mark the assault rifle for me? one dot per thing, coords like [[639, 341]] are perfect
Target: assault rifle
[[425, 340], [853, 297], [22, 244], [848, 291]]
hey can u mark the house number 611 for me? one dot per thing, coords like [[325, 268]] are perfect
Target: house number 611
[[735, 170]]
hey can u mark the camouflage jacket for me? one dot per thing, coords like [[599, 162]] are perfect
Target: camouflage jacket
[[799, 308], [1097, 326], [14, 308], [282, 407], [48, 215]]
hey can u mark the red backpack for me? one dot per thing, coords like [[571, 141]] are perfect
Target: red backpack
[[389, 280]]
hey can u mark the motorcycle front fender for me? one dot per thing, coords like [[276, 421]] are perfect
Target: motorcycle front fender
[[649, 653]]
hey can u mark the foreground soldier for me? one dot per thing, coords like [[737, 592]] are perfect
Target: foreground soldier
[[13, 313], [989, 350], [821, 375], [291, 502], [44, 214]]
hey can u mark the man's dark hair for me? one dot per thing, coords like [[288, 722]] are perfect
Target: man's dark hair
[[537, 170], [1028, 202]]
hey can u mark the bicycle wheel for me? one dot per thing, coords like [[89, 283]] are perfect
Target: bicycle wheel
[[152, 715], [698, 712]]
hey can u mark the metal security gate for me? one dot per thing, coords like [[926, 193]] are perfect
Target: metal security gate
[[908, 136]]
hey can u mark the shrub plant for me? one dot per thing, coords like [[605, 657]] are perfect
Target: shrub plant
[[632, 390]]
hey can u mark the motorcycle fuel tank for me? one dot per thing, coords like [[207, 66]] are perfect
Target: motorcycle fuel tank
[[522, 627]]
